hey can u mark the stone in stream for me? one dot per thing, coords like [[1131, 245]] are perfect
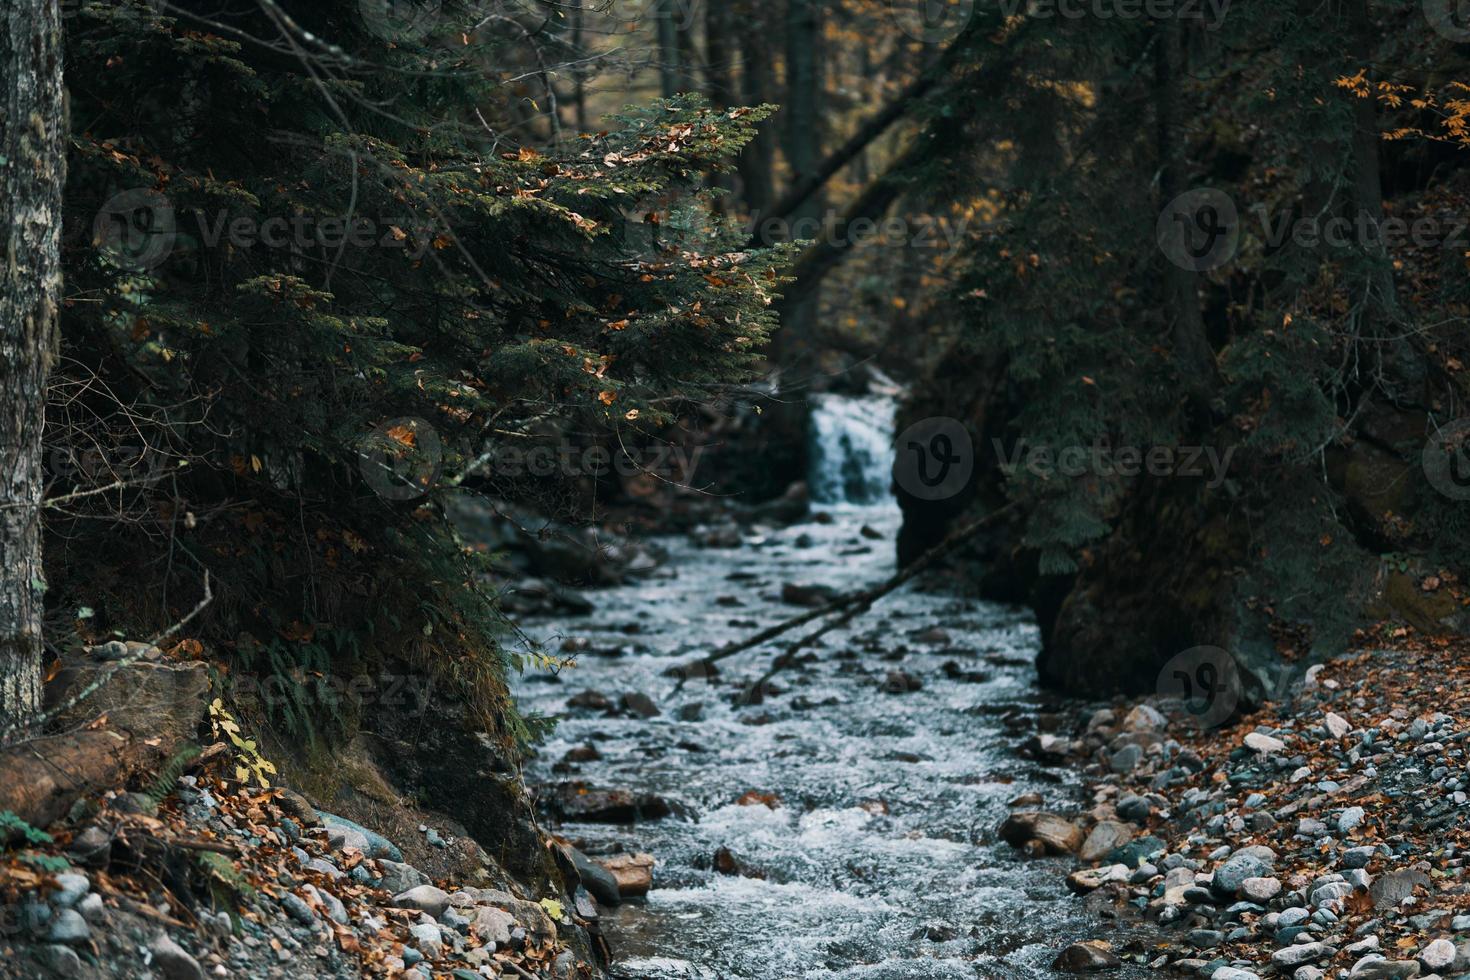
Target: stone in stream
[[807, 595], [633, 872], [1091, 956], [576, 801], [639, 705], [596, 879], [1056, 834]]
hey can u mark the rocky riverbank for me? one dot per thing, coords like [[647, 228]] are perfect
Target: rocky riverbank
[[1322, 836], [224, 880]]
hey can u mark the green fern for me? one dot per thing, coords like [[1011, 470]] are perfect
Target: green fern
[[167, 779]]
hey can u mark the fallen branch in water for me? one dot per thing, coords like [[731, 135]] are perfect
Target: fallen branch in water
[[851, 606]]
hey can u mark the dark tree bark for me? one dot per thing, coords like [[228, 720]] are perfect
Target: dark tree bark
[[756, 164], [32, 169], [803, 146], [719, 29], [666, 13], [1192, 349]]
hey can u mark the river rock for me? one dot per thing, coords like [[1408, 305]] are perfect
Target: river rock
[[173, 961], [1294, 956], [1375, 967], [576, 801], [1249, 863], [68, 926], [1337, 725], [599, 881], [1091, 956], [1391, 888], [427, 938], [1259, 890], [633, 873], [492, 925], [1056, 834], [1104, 838], [399, 877], [70, 889], [372, 843], [424, 898], [1264, 744], [1438, 955], [62, 961]]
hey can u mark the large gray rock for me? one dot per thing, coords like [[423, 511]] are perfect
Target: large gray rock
[[1231, 875], [424, 898], [598, 881], [492, 925], [372, 843], [173, 961], [399, 877], [68, 926]]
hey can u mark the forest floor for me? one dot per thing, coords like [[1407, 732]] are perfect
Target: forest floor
[[1323, 836]]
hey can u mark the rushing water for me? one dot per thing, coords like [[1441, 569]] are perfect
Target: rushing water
[[874, 855]]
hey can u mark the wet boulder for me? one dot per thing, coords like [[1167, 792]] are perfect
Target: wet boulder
[[1054, 834]]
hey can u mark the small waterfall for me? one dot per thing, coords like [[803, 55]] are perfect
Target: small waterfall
[[851, 449]]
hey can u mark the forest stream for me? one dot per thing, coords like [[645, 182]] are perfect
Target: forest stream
[[866, 847]]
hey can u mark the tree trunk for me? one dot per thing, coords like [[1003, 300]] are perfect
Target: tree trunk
[[718, 30], [32, 169], [1194, 357], [579, 90], [665, 12], [757, 84], [792, 347]]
